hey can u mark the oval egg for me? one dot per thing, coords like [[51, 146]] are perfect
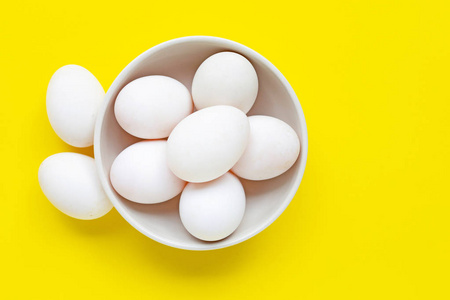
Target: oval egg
[[70, 182], [207, 143], [151, 106], [74, 96], [273, 148], [213, 210], [140, 173], [225, 78]]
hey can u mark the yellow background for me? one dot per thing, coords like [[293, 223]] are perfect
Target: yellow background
[[371, 219]]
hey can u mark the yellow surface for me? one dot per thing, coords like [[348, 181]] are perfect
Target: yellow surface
[[371, 219]]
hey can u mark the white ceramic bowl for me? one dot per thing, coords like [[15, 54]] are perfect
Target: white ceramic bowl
[[180, 58]]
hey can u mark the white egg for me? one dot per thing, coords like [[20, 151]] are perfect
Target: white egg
[[213, 210], [225, 78], [140, 173], [74, 96], [273, 148], [207, 143], [70, 181], [150, 107]]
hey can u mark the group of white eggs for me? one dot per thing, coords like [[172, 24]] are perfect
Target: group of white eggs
[[197, 154]]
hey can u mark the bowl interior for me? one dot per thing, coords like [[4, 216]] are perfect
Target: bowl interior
[[179, 59]]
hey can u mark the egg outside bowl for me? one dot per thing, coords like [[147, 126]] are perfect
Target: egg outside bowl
[[180, 58]]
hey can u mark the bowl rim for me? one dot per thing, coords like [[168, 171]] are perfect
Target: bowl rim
[[108, 97]]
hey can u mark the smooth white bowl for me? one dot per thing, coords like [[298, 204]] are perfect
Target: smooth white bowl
[[180, 58]]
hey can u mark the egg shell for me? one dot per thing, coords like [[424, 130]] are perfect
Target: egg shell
[[71, 183], [74, 96], [140, 173], [150, 107], [213, 210], [273, 148], [207, 143], [225, 78]]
